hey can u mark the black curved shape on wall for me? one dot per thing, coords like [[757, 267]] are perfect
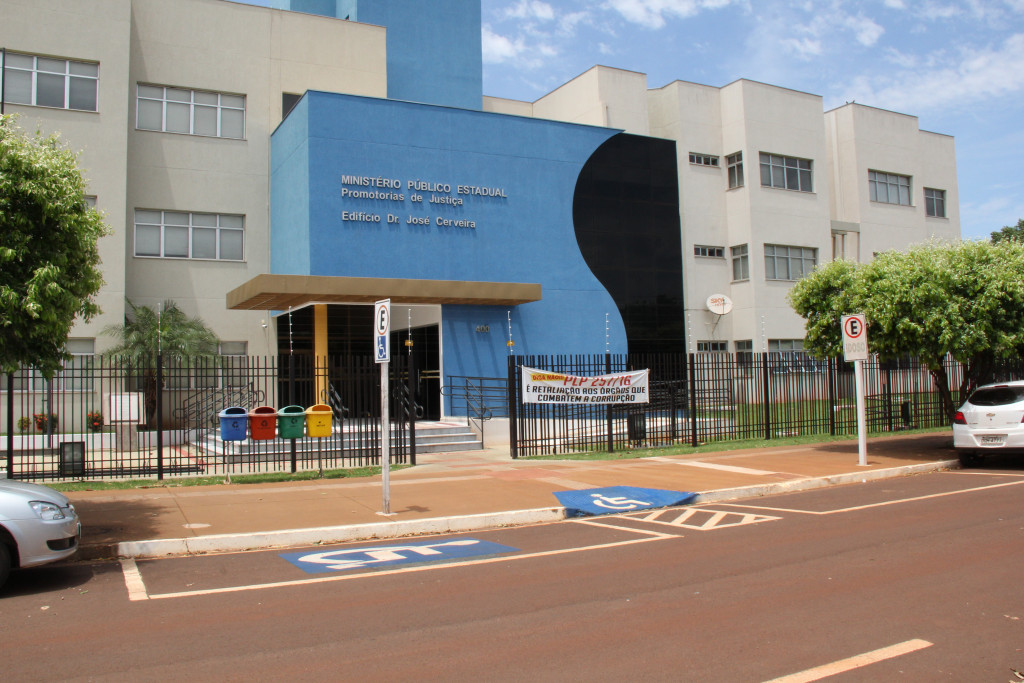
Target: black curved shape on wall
[[626, 216]]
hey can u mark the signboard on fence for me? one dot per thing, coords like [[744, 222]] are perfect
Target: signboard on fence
[[125, 408], [543, 386]]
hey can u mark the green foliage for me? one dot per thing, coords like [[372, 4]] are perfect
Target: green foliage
[[165, 331], [965, 300], [49, 260], [1009, 232]]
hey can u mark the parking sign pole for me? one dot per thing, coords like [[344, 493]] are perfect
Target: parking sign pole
[[862, 427], [855, 349], [385, 440], [382, 354]]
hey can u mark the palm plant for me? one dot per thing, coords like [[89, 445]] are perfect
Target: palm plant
[[167, 332]]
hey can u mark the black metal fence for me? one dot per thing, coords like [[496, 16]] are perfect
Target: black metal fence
[[105, 418], [699, 398]]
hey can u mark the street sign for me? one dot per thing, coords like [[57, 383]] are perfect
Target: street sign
[[382, 331], [855, 350], [855, 337]]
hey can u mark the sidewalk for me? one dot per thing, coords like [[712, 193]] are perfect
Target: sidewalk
[[460, 492]]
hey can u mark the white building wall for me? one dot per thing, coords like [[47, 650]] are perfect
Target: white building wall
[[96, 31], [601, 96], [237, 49], [864, 139]]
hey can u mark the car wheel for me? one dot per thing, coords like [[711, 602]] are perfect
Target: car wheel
[[970, 459], [5, 563]]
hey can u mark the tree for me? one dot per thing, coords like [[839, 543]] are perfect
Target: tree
[[1010, 232], [964, 300], [165, 332], [49, 260]]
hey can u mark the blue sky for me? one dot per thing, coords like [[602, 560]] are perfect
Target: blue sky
[[958, 65]]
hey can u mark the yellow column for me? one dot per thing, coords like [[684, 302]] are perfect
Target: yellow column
[[320, 350]]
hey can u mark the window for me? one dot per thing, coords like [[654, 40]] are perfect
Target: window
[[788, 355], [47, 82], [788, 263], [934, 202], [288, 102], [229, 369], [744, 356], [703, 159], [192, 112], [788, 173], [713, 252], [839, 245], [734, 163], [740, 262], [180, 234], [889, 188], [712, 346], [75, 376]]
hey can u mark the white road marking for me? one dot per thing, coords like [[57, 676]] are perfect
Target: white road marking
[[844, 665], [717, 466], [649, 536], [883, 503], [133, 580], [718, 518]]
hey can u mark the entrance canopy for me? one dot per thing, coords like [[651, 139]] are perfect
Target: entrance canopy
[[279, 292]]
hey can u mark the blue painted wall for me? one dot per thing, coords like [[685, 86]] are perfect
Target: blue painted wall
[[434, 48], [526, 236]]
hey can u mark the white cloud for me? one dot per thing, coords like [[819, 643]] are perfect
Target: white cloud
[[653, 13], [979, 75], [805, 48], [531, 9], [867, 31], [498, 49]]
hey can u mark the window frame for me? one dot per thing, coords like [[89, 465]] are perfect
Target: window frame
[[68, 76], [740, 256], [787, 173], [712, 346], [194, 106], [709, 251], [75, 376], [771, 268], [879, 179], [192, 227], [787, 356], [701, 159], [934, 205], [734, 164]]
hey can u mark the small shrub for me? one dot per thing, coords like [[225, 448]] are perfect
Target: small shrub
[[94, 421], [23, 424], [43, 421]]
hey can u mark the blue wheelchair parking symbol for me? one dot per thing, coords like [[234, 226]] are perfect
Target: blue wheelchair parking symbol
[[406, 553]]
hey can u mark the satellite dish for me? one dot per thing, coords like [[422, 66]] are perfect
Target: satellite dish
[[719, 304]]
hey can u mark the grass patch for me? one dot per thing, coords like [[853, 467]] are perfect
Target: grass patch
[[722, 446], [267, 478]]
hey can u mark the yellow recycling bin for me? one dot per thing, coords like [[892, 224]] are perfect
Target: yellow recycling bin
[[318, 420]]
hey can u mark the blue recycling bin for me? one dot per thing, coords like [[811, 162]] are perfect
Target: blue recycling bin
[[234, 422]]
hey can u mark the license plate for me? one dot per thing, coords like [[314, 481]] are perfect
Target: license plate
[[993, 439]]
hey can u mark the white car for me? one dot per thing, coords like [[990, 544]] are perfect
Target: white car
[[992, 419], [37, 525]]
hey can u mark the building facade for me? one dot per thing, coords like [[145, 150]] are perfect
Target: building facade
[[275, 171]]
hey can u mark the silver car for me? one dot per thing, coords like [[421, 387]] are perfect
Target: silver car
[[992, 419], [37, 525]]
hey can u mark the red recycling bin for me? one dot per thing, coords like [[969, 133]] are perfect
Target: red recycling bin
[[262, 423]]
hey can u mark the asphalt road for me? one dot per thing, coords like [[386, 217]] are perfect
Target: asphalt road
[[913, 579]]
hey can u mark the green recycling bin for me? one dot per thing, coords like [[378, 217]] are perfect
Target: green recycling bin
[[291, 422]]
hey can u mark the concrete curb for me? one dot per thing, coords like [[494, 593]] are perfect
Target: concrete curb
[[809, 483], [439, 525]]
